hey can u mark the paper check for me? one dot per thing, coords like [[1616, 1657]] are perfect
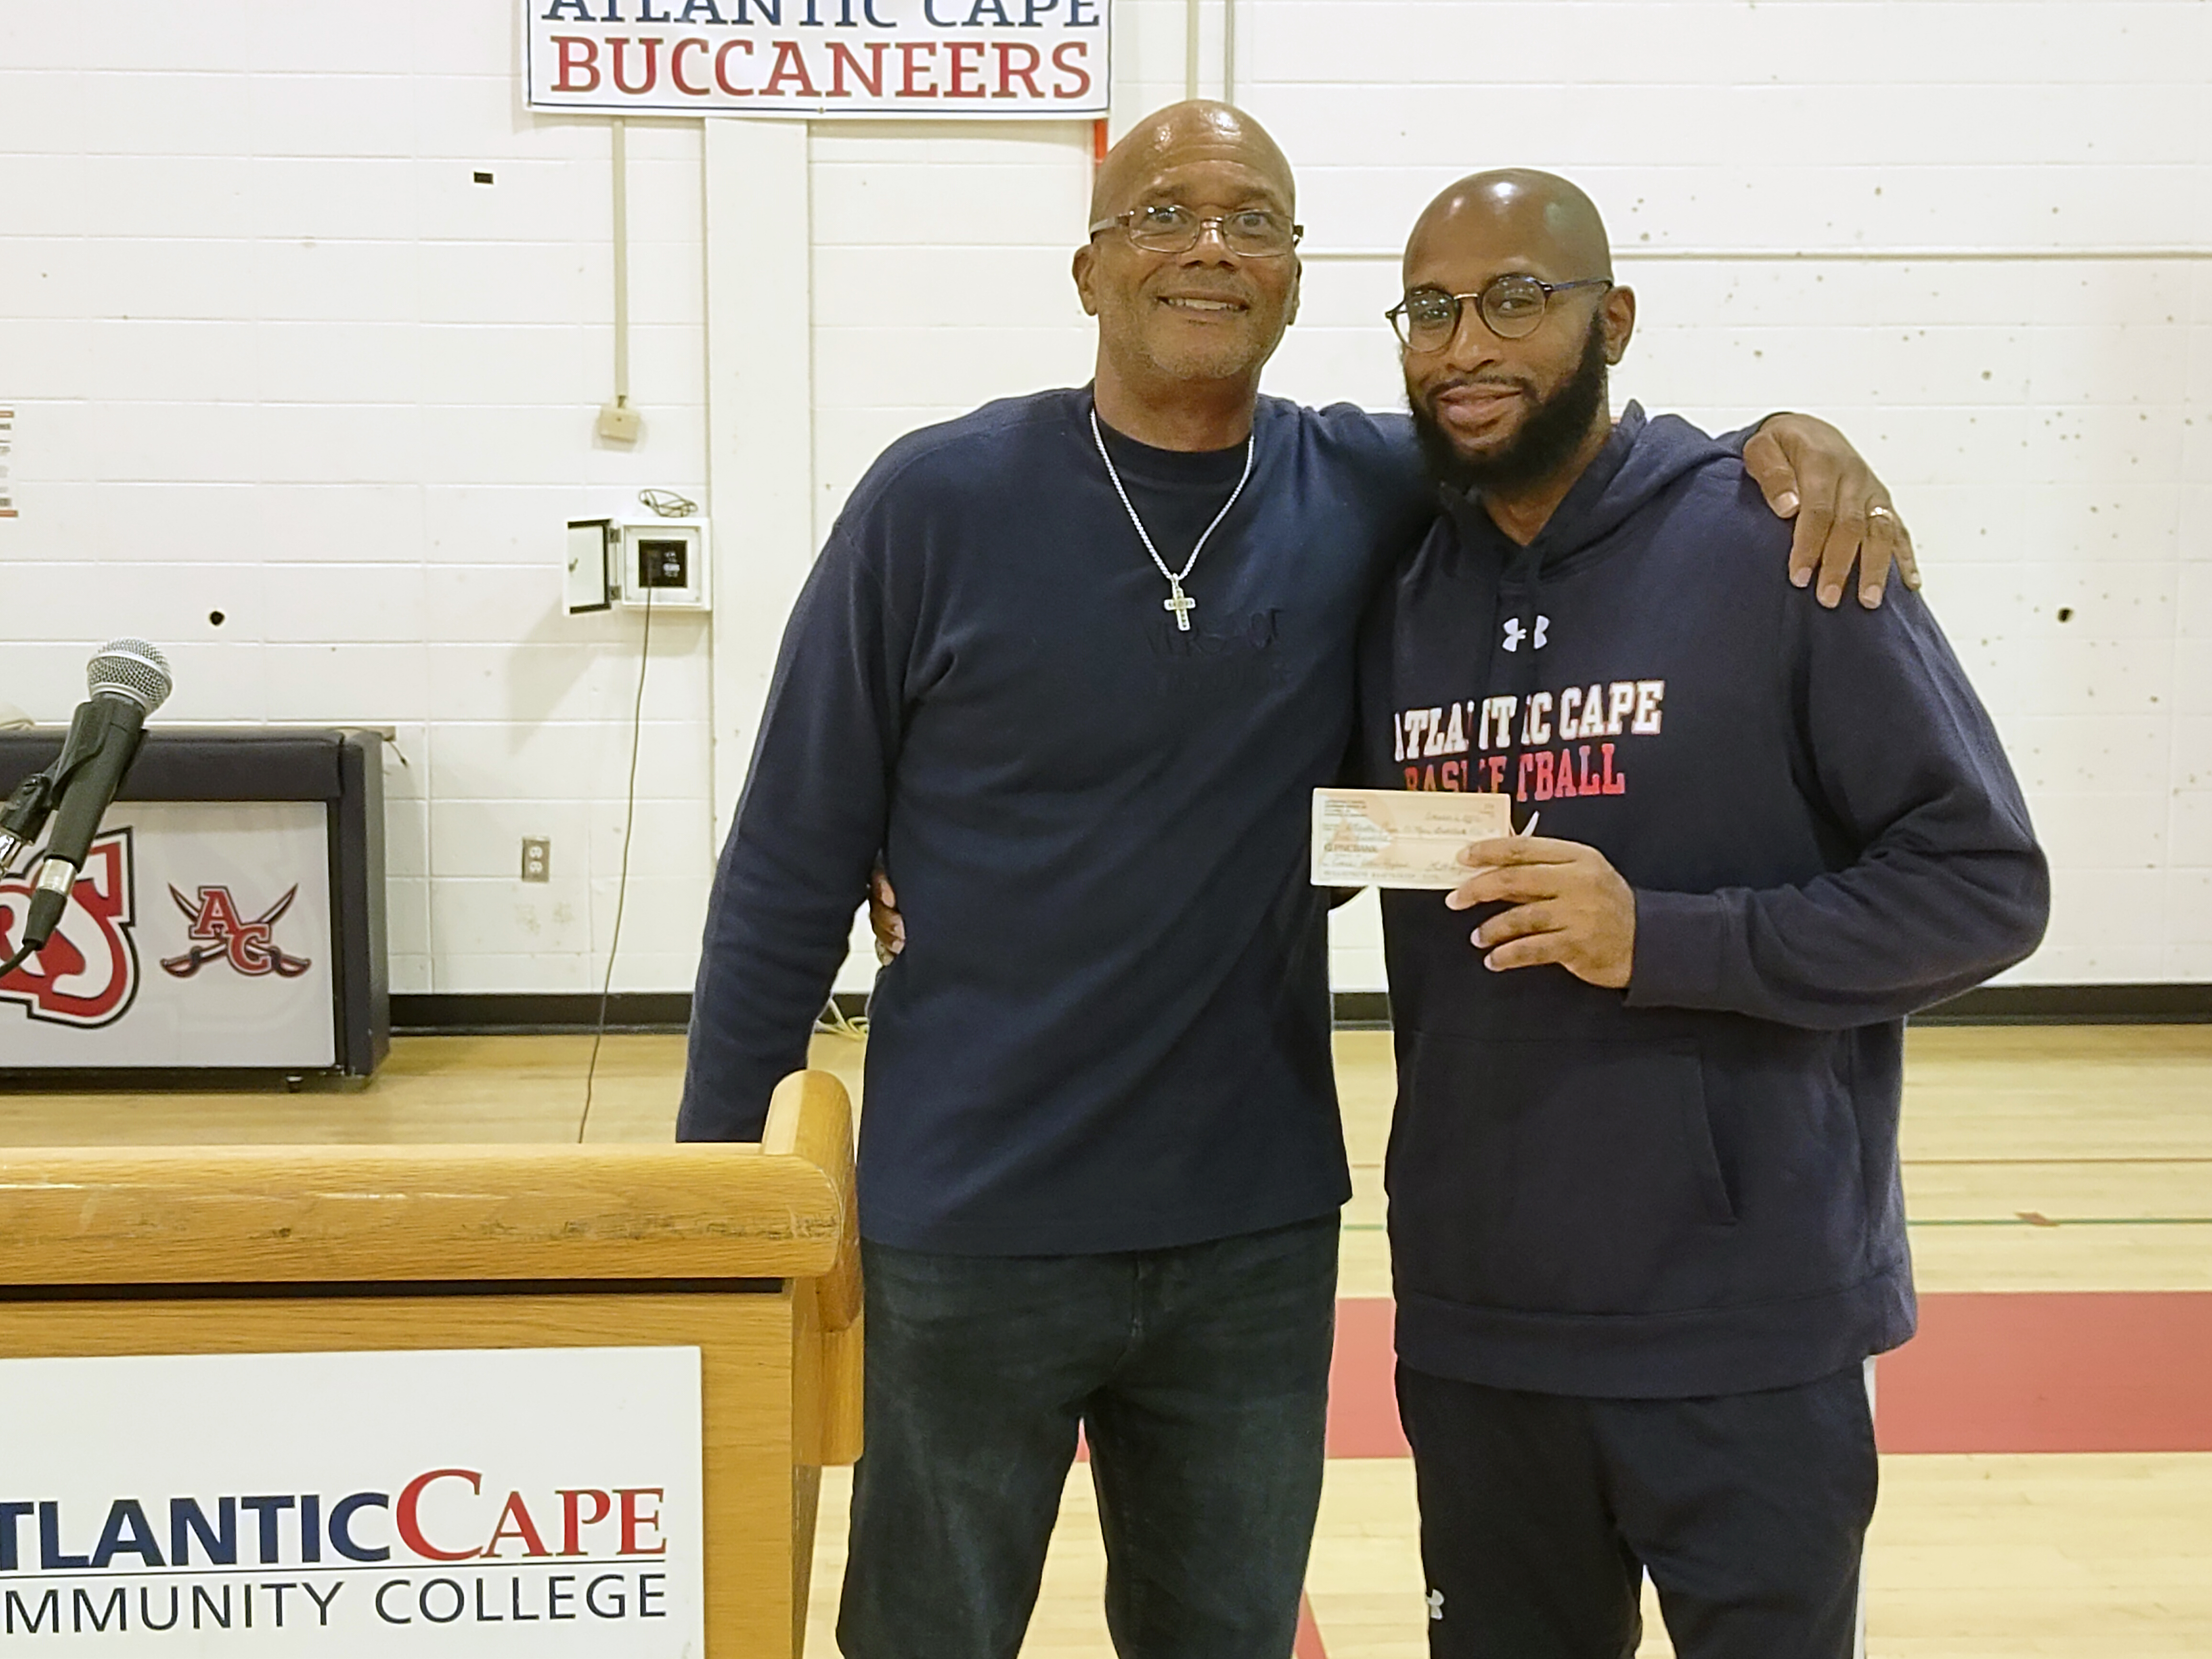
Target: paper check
[[1399, 837]]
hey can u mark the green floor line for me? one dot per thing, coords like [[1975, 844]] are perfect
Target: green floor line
[[1982, 1221], [2072, 1221]]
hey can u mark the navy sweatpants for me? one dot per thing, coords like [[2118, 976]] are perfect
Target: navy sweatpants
[[1540, 1513]]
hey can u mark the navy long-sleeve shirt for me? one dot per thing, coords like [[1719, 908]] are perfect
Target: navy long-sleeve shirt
[[1109, 1027], [1691, 1187]]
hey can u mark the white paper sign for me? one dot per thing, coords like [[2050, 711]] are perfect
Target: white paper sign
[[538, 1502], [961, 60], [198, 933], [1401, 837]]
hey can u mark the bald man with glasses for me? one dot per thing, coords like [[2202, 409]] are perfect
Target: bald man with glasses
[[1070, 667], [1645, 1219]]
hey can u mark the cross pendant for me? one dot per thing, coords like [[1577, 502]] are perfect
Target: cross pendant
[[1181, 603]]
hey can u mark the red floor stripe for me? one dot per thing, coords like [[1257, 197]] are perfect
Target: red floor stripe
[[1362, 1399], [1309, 1645], [2005, 1372], [2023, 1371]]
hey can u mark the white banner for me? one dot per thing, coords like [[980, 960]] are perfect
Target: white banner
[[198, 934], [537, 1503], [956, 59]]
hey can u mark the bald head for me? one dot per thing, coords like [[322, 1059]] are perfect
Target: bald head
[[1539, 217], [1184, 331], [1170, 140], [1510, 324]]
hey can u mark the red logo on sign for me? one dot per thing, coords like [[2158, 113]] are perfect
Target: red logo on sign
[[88, 974], [218, 935]]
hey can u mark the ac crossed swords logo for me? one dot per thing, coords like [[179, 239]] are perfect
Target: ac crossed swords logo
[[218, 935]]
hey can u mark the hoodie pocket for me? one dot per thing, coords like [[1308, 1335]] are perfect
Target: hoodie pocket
[[1568, 1177]]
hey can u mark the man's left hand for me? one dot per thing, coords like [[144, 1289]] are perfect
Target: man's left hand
[[884, 920], [1570, 907], [1809, 472]]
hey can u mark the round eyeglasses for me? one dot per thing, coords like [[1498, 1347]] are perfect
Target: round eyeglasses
[[1170, 227], [1510, 306]]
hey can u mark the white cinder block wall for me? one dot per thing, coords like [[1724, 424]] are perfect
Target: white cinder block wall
[[277, 356]]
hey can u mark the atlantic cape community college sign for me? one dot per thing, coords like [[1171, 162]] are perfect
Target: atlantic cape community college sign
[[961, 59], [534, 1503]]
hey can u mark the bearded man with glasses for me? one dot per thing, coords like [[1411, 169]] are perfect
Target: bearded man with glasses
[[1646, 1218], [1070, 665]]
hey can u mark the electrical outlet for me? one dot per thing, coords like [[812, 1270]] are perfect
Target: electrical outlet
[[537, 858], [664, 562]]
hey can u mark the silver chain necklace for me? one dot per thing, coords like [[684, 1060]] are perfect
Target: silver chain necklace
[[1177, 601]]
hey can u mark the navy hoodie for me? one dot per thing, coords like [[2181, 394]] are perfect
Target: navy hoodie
[[1692, 1187], [1109, 1030]]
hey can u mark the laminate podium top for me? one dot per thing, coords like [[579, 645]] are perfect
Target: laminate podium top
[[781, 1208]]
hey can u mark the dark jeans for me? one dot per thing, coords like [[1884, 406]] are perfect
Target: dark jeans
[[1539, 1514], [1200, 1377]]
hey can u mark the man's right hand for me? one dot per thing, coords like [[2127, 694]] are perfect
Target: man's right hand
[[1809, 472], [883, 917]]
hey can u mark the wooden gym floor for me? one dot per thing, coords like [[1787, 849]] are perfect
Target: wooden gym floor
[[2047, 1468]]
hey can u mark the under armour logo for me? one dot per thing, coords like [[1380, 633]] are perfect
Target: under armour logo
[[1517, 630], [1437, 1605]]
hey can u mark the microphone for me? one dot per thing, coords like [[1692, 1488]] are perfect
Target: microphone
[[128, 680]]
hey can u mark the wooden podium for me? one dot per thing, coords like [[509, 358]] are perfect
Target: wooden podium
[[748, 1253]]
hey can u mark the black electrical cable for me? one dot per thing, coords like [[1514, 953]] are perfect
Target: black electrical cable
[[621, 886], [667, 503]]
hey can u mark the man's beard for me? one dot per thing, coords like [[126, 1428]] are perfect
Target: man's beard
[[1546, 442]]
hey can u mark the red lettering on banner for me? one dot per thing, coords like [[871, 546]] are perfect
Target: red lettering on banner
[[573, 1525], [787, 51], [572, 61], [652, 45], [1613, 784], [1523, 772], [525, 1531], [842, 59], [1412, 777], [963, 74], [1455, 776], [907, 49], [1081, 49], [1544, 771], [722, 70], [1026, 75], [88, 974], [411, 1529], [631, 1520], [676, 68], [989, 58], [1495, 765]]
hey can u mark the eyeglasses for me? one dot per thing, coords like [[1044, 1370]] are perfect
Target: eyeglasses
[[1170, 228], [1427, 319]]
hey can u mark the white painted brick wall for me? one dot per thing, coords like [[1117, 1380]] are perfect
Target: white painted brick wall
[[277, 356]]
